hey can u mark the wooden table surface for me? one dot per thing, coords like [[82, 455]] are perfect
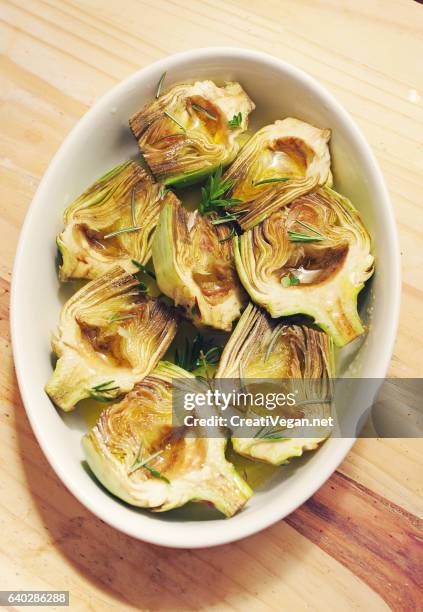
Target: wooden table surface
[[355, 544]]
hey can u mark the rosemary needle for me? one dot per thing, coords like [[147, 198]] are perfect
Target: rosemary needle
[[298, 237], [160, 84], [271, 180], [125, 230], [122, 317], [203, 110], [134, 221], [309, 227], [172, 118]]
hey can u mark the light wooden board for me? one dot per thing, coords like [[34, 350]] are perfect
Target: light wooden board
[[357, 543]]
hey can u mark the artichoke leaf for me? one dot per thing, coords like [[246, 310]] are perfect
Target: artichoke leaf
[[194, 266], [263, 349], [140, 457], [111, 223], [185, 134], [321, 242], [279, 163], [110, 337]]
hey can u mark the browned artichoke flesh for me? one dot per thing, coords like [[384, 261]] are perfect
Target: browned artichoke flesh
[[279, 163], [138, 455], [185, 134], [111, 223], [110, 337], [260, 349], [193, 262], [311, 257]]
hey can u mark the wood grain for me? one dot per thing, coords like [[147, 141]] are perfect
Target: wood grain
[[357, 543], [376, 539]]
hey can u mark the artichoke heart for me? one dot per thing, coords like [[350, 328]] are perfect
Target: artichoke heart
[[279, 163], [185, 134], [141, 458], [110, 337], [260, 349], [312, 257], [111, 223], [193, 261]]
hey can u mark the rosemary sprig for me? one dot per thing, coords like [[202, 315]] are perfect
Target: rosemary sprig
[[144, 464], [175, 121], [235, 122], [212, 195], [213, 201], [203, 110], [201, 352], [125, 230], [160, 84], [100, 392], [281, 179], [133, 217], [142, 268], [289, 280], [122, 317]]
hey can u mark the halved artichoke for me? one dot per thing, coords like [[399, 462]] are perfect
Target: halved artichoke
[[138, 456], [111, 223], [312, 257], [186, 133], [194, 266], [279, 163], [260, 349], [110, 336]]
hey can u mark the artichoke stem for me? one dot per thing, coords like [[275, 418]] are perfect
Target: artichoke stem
[[229, 492], [342, 322], [68, 384]]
